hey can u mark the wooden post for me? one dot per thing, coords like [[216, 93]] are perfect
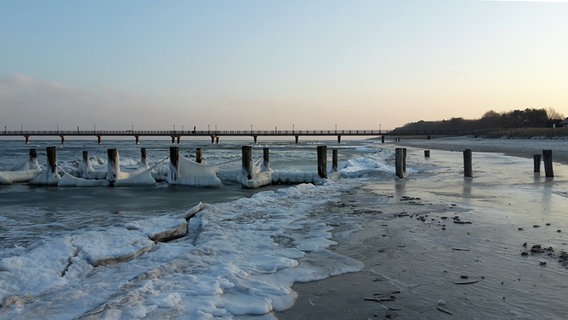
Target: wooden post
[[334, 160], [297, 138], [85, 156], [426, 153], [266, 159], [174, 157], [143, 157], [383, 138], [199, 155], [547, 160], [247, 161], [398, 162], [404, 160], [467, 163], [322, 161], [33, 155], [536, 161], [338, 139], [51, 158], [112, 166]]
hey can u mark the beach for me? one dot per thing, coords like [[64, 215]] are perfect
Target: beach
[[448, 247]]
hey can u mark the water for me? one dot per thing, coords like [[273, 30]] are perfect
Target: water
[[68, 253]]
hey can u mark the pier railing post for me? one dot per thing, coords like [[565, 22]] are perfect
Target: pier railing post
[[536, 162], [467, 163], [547, 160], [247, 161], [334, 160], [322, 161]]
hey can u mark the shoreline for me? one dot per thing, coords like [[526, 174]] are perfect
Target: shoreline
[[420, 265]]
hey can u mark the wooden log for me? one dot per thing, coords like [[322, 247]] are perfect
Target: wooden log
[[247, 161], [547, 161], [426, 153], [398, 162], [467, 163], [199, 155], [51, 158], [334, 160], [536, 162], [322, 161]]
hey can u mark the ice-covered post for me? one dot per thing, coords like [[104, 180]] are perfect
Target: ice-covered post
[[112, 166], [536, 162], [547, 160], [199, 155], [426, 153], [467, 163], [33, 155], [399, 162], [51, 158], [322, 161], [247, 161], [266, 159], [334, 160], [143, 160], [85, 156]]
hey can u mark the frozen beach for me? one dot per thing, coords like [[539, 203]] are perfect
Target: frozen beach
[[433, 245]]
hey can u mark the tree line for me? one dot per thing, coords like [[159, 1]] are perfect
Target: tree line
[[527, 118]]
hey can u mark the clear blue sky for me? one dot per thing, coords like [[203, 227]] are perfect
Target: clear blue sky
[[312, 64]]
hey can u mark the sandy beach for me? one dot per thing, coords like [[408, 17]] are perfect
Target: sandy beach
[[447, 247]]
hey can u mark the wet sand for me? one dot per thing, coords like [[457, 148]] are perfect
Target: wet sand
[[445, 250]]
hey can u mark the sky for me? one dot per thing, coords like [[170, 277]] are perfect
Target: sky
[[316, 64]]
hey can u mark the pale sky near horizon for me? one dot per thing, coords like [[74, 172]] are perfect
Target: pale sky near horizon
[[309, 64]]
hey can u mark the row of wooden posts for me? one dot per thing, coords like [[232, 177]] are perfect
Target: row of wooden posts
[[400, 162]]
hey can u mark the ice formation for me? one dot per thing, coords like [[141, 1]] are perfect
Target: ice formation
[[193, 174]]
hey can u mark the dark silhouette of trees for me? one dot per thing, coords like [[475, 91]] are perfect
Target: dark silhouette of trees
[[527, 118]]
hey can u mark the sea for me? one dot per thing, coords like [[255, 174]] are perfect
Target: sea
[[87, 252]]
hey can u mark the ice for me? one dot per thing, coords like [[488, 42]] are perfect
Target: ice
[[193, 174]]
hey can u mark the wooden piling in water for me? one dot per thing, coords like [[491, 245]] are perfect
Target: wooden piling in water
[[547, 160], [33, 155], [467, 163], [399, 162], [266, 159], [247, 161], [143, 157], [85, 155], [536, 162], [426, 153], [51, 158], [334, 160], [199, 155], [322, 161], [174, 157]]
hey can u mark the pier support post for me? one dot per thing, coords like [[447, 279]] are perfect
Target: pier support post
[[247, 161], [547, 160], [266, 159], [322, 161], [255, 139], [536, 162], [297, 139], [62, 139], [383, 138], [27, 137], [334, 160], [399, 161], [217, 139], [199, 155], [174, 161], [212, 139], [99, 139], [338, 139], [467, 163], [426, 153], [178, 138], [137, 137], [143, 157]]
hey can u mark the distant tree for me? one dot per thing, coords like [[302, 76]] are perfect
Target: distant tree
[[554, 115]]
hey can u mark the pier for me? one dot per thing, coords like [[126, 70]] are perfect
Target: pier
[[176, 135]]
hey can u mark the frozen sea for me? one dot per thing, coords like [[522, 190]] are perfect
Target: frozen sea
[[86, 253]]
